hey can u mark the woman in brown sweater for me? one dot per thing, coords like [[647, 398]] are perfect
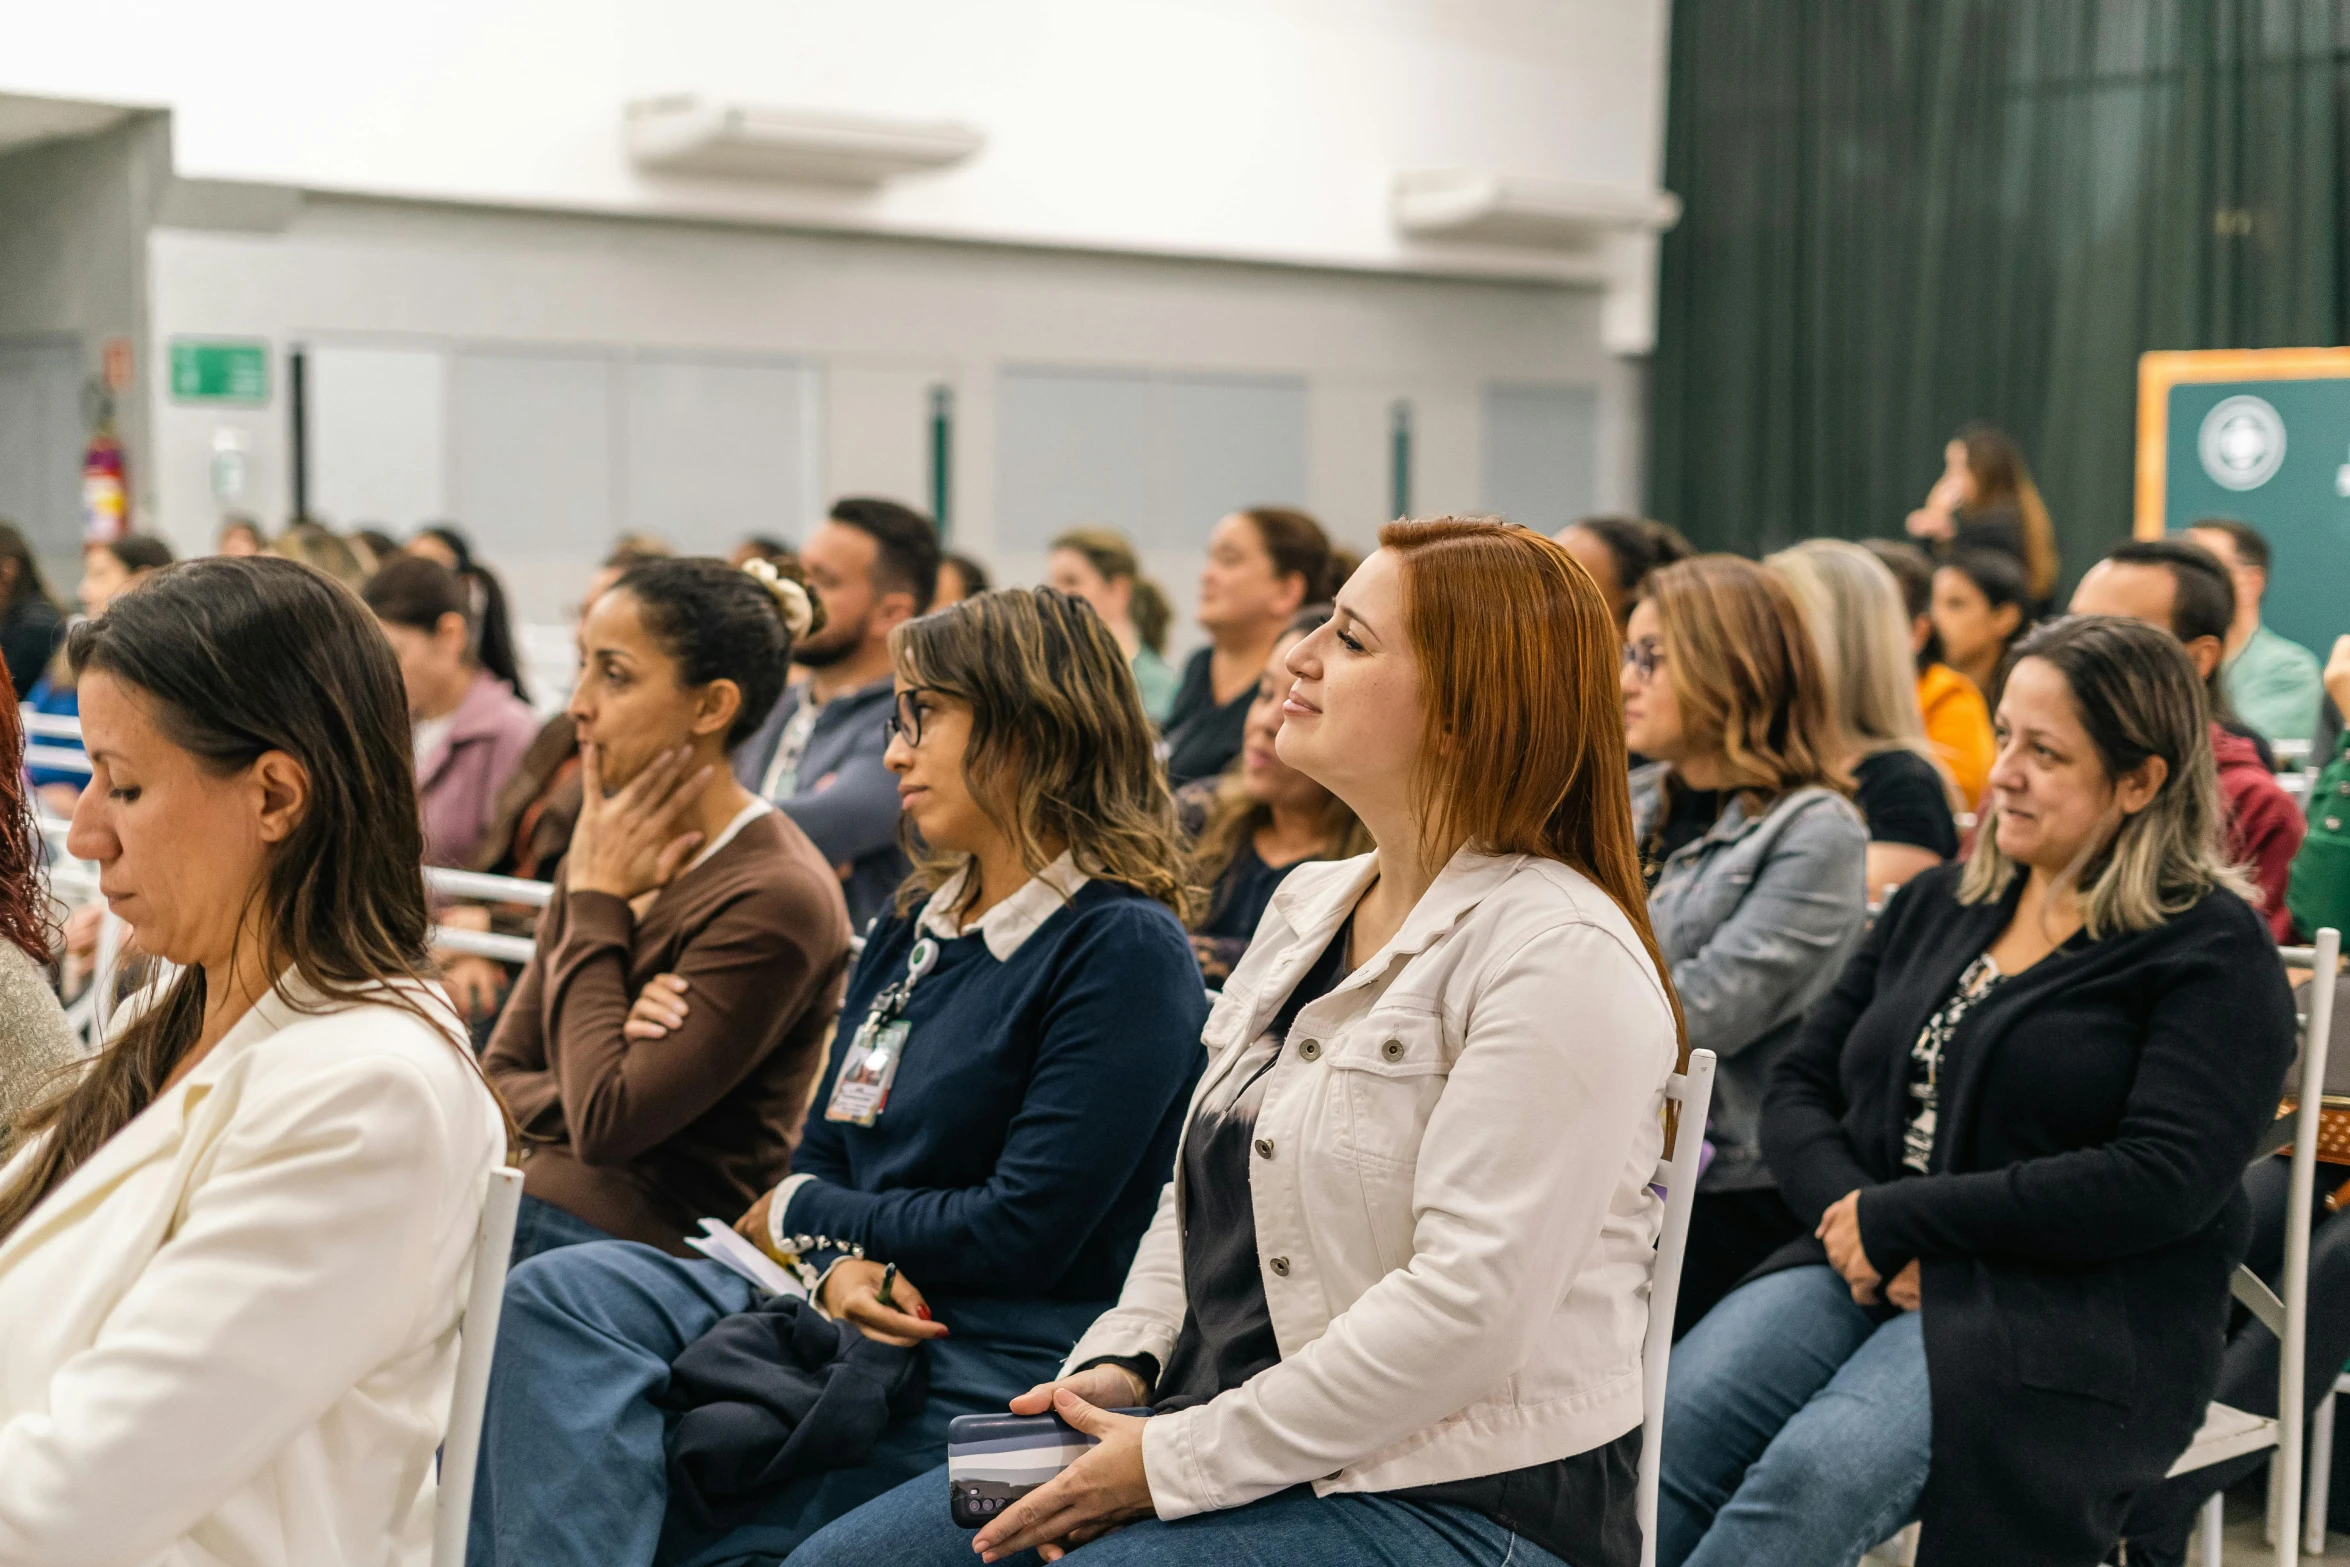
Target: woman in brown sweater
[[679, 875]]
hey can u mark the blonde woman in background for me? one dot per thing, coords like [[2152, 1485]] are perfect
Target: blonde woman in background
[[1854, 609], [1099, 566], [314, 544]]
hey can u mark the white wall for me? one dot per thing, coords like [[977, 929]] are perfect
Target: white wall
[[73, 220], [1266, 129], [879, 321]]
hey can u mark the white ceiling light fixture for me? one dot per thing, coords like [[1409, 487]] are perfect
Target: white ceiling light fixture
[[1482, 207], [682, 134]]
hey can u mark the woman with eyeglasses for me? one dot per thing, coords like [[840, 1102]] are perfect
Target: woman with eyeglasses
[[659, 1046], [1755, 861], [987, 1146]]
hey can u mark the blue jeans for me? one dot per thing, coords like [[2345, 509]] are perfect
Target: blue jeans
[[1797, 1428], [1294, 1528], [541, 1226], [574, 1465]]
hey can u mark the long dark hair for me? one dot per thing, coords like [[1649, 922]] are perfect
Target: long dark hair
[[486, 615], [238, 657], [1059, 746]]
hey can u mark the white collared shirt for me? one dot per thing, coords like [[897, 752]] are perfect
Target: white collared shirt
[[1011, 922]]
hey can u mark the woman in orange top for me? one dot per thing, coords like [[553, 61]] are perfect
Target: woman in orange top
[[1958, 722]]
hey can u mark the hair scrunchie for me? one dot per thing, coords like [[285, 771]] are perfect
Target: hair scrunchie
[[791, 600]]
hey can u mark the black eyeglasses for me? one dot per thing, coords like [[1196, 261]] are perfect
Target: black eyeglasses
[[1644, 657], [905, 721]]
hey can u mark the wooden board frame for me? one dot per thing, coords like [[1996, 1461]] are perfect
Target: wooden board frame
[[2160, 371]]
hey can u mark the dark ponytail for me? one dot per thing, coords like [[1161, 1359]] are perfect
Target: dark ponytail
[[489, 624]]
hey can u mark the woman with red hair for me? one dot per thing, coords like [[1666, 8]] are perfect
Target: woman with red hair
[[1393, 1303]]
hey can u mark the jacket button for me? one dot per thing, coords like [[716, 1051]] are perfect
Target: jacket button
[[1311, 1050], [1264, 1147], [1281, 1267], [1392, 1050]]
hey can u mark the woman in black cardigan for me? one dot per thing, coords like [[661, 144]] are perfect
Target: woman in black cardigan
[[2021, 1121]]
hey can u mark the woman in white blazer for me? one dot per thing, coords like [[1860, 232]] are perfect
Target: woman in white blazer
[[1393, 1303], [233, 1249]]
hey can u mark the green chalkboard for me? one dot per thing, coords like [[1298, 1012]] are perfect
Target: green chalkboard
[[2275, 454]]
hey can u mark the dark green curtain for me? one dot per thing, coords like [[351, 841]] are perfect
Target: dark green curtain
[[1905, 214]]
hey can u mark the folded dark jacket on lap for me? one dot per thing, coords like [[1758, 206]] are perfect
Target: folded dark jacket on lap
[[774, 1393]]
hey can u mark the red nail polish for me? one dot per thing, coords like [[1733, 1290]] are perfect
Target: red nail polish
[[923, 1312]]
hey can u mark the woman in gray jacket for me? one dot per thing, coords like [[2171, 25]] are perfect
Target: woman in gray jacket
[[1755, 861]]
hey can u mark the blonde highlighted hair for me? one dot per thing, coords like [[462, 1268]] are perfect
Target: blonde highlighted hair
[[2137, 694], [1060, 751], [1747, 675], [1860, 627]]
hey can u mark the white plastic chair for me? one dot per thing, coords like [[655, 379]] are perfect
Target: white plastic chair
[[2230, 1433], [1693, 1091], [477, 1338]]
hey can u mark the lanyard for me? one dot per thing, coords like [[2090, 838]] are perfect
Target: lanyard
[[861, 1092], [893, 997]]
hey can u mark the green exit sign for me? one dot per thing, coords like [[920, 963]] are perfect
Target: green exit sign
[[219, 372]]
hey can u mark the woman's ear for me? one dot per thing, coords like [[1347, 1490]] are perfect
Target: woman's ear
[[452, 632], [282, 785], [2135, 790], [2011, 620], [716, 707]]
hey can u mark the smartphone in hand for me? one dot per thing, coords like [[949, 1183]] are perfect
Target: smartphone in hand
[[994, 1460]]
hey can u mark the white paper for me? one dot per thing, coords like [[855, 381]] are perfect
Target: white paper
[[720, 1243]]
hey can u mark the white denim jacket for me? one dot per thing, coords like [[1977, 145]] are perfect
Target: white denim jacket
[[1451, 1193]]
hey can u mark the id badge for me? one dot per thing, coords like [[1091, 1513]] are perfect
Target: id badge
[[861, 1092]]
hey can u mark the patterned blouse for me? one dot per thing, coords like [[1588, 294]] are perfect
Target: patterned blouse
[[1925, 1058]]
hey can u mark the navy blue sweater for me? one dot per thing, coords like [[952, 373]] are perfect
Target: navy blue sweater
[[1036, 1108]]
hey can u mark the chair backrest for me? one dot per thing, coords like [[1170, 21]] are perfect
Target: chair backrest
[[1693, 1092], [477, 1336], [2317, 1025]]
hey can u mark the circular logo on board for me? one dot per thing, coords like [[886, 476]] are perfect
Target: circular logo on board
[[2242, 443]]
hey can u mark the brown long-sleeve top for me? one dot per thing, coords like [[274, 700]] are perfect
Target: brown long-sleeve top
[[642, 1138]]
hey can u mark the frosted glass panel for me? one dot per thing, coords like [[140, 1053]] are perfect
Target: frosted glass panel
[[532, 470], [379, 420], [41, 439], [1072, 448], [1235, 443], [1541, 453], [1158, 456], [720, 448]]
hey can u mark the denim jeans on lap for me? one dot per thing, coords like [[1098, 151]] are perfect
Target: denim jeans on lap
[[910, 1527], [573, 1467], [541, 1227], [1797, 1428]]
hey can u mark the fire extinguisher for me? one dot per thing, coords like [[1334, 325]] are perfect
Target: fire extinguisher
[[106, 505]]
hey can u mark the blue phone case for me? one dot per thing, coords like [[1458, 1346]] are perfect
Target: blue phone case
[[994, 1460]]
